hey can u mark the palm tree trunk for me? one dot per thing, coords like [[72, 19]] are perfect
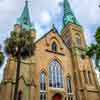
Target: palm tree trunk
[[17, 78]]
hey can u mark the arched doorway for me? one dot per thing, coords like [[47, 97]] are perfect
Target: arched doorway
[[57, 97], [20, 95]]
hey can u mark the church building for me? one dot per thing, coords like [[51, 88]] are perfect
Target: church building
[[58, 70]]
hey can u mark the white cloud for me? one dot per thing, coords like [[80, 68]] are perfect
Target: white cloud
[[45, 17], [89, 37], [39, 30], [87, 11], [88, 14]]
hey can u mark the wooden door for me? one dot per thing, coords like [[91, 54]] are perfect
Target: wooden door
[[57, 97]]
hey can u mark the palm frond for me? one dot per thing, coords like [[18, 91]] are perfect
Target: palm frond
[[22, 41], [1, 58]]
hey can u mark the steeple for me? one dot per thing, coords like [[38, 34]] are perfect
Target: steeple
[[24, 19], [68, 14]]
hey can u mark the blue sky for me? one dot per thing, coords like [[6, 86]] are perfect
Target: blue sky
[[44, 13]]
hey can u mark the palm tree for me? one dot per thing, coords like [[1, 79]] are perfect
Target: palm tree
[[93, 51], [20, 45], [1, 58]]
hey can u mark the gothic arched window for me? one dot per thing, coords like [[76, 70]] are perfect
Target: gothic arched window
[[85, 76], [20, 95], [69, 85], [90, 77], [78, 39], [54, 47], [69, 89], [42, 86], [55, 75]]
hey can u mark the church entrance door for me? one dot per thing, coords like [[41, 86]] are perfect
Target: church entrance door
[[57, 97]]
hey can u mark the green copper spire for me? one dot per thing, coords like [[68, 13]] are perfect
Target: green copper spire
[[68, 14], [24, 19]]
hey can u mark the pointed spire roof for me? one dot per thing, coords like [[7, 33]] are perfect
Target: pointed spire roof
[[68, 14], [24, 19]]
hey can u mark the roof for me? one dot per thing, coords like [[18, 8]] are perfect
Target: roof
[[52, 30], [24, 19], [69, 16]]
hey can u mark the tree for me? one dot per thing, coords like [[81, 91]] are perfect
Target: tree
[[20, 45], [93, 51], [1, 58]]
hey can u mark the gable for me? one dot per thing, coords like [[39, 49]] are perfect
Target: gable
[[50, 37], [44, 53]]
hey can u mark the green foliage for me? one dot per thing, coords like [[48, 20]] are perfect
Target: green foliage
[[19, 43], [97, 35], [94, 50], [1, 58], [91, 50]]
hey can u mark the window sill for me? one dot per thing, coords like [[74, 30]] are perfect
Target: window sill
[[55, 52], [56, 89]]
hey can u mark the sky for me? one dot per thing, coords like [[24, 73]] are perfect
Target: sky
[[44, 13]]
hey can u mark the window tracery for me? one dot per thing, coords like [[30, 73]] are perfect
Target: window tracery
[[55, 75], [42, 86]]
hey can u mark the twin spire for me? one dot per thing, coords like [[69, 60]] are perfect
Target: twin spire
[[25, 22], [68, 14], [24, 19]]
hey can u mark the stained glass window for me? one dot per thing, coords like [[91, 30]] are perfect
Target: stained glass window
[[85, 76], [69, 85], [54, 47], [70, 95], [55, 75], [42, 86], [78, 40], [89, 77]]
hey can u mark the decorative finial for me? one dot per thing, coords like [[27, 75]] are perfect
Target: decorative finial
[[54, 28], [26, 1]]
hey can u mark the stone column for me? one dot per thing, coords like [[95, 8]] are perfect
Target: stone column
[[32, 93]]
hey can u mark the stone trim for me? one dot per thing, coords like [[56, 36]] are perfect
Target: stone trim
[[55, 52]]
